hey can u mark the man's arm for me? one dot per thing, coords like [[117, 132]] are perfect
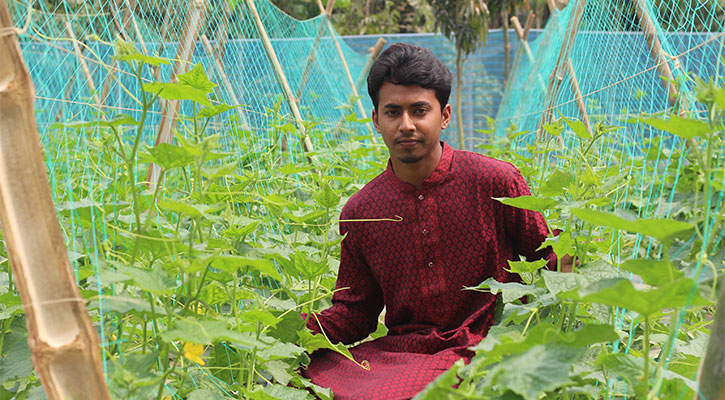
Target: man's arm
[[358, 299]]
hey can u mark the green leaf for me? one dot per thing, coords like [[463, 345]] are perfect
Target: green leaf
[[528, 202], [510, 290], [197, 79], [555, 184], [208, 112], [208, 331], [308, 267], [541, 369], [578, 127], [279, 371], [621, 293], [15, 362], [179, 207], [259, 316], [177, 91], [560, 282], [682, 127], [170, 156], [283, 392], [326, 197], [315, 342], [590, 334], [232, 263], [123, 305], [280, 350], [664, 230], [286, 329], [126, 52], [653, 272], [155, 281], [624, 365], [518, 267], [205, 394]]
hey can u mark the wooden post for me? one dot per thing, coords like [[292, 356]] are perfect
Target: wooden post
[[359, 104], [527, 49], [578, 95], [170, 112], [557, 75], [65, 350], [310, 60], [306, 143], [82, 62], [225, 80], [374, 53], [655, 46], [663, 68]]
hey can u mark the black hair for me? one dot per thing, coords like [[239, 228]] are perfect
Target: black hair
[[405, 64]]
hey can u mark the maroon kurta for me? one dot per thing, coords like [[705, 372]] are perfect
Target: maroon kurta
[[452, 234]]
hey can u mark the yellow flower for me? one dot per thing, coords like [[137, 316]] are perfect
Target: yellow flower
[[193, 352]]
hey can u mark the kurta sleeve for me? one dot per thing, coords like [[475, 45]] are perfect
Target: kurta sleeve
[[358, 301], [525, 228]]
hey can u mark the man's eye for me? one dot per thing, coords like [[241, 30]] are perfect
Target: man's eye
[[391, 113], [421, 111]]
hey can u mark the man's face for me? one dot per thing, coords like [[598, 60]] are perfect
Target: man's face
[[410, 120]]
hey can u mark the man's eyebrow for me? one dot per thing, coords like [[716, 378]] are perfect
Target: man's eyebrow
[[392, 105], [420, 104]]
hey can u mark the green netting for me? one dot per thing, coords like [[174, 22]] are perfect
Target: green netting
[[620, 64]]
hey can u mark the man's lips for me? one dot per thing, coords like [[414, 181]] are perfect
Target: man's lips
[[407, 142]]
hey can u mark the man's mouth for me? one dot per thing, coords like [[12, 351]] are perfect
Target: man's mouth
[[407, 142]]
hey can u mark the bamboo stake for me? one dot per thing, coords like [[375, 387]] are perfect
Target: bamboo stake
[[170, 113], [578, 95], [528, 24], [527, 49], [63, 342], [225, 80], [310, 60], [306, 143], [358, 103], [374, 53], [82, 62], [653, 41], [129, 13], [557, 75], [656, 51]]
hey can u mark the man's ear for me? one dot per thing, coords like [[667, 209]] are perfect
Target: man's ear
[[446, 116], [375, 119]]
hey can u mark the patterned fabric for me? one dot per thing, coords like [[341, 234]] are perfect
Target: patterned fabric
[[452, 235]]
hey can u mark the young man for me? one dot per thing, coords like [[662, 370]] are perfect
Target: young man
[[452, 235]]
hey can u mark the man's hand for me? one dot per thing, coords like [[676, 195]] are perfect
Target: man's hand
[[567, 263]]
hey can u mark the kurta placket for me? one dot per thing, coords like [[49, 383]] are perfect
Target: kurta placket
[[452, 235]]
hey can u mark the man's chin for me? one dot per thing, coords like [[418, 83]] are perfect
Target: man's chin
[[409, 159]]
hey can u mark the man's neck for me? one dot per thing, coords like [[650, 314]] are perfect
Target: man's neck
[[416, 173]]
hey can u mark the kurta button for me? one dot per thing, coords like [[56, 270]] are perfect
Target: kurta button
[[430, 264], [421, 197], [425, 231]]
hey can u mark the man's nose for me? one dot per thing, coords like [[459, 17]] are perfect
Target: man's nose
[[406, 124]]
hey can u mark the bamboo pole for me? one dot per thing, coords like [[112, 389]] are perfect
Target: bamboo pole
[[655, 46], [557, 75], [63, 343], [578, 95], [527, 49], [82, 62], [310, 60], [282, 80], [374, 53], [353, 87], [663, 68], [170, 112], [225, 80]]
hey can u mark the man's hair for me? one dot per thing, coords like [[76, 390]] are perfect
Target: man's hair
[[405, 64]]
